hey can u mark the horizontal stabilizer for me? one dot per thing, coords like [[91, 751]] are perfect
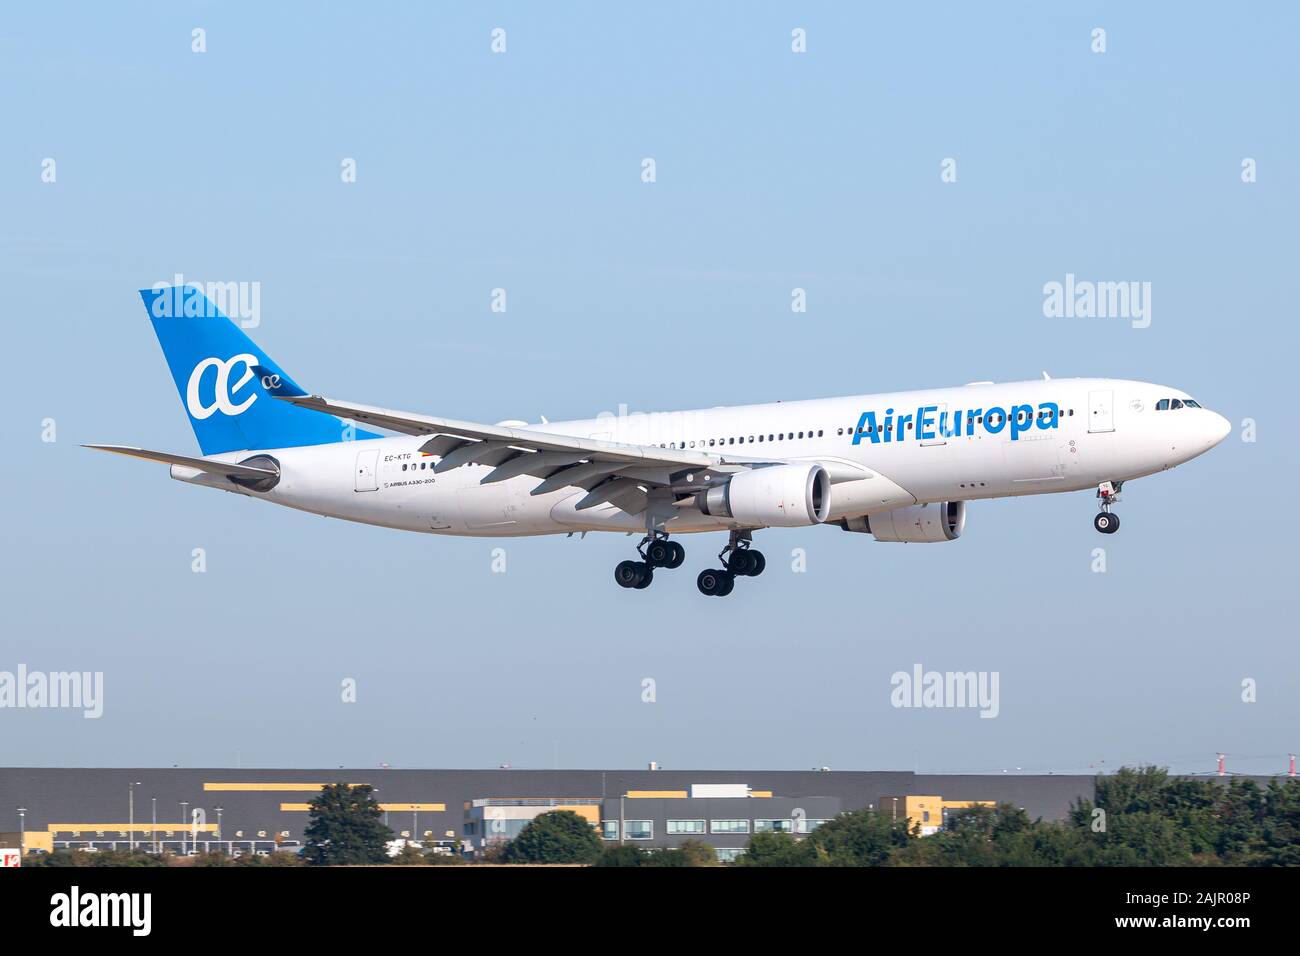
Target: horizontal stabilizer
[[230, 470]]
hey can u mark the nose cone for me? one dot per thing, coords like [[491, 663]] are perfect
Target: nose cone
[[1218, 428]]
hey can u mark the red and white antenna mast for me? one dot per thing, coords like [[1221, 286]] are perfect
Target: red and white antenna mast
[[1222, 771]]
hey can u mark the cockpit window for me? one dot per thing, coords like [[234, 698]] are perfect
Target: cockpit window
[[1191, 404], [1176, 404], [1162, 405]]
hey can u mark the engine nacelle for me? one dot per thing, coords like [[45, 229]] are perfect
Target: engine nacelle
[[779, 496], [920, 524]]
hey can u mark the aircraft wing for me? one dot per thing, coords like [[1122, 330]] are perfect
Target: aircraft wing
[[620, 473]]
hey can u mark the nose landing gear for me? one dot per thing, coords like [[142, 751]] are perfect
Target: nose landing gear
[[1107, 522], [739, 559], [657, 552]]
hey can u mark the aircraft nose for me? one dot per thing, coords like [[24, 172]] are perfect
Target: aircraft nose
[[1219, 428]]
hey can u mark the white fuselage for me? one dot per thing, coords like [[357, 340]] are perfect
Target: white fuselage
[[1102, 430]]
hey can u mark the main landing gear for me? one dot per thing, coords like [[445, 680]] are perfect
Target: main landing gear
[[656, 552], [738, 560], [1107, 522]]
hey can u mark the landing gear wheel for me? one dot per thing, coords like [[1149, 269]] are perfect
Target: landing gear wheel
[[708, 581], [1106, 522], [717, 583], [659, 553], [746, 562], [647, 575], [677, 557], [632, 574]]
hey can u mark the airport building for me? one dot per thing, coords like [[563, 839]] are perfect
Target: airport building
[[261, 810]]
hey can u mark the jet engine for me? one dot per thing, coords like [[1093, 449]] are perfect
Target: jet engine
[[922, 524], [777, 496]]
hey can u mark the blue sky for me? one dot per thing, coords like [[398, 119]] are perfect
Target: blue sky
[[521, 171]]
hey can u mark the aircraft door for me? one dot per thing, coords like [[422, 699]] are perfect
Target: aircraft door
[[938, 434], [1101, 411], [368, 470]]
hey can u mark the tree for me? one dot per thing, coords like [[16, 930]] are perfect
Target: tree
[[977, 836], [345, 828], [697, 853], [409, 855], [859, 838], [686, 854], [622, 856], [778, 849], [1278, 843], [59, 858], [560, 836]]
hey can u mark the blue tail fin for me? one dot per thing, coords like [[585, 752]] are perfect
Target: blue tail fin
[[211, 361]]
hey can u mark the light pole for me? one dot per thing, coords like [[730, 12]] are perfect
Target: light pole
[[22, 831], [154, 801], [415, 825], [130, 803], [184, 804], [218, 809]]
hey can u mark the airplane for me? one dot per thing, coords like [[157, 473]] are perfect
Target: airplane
[[898, 466]]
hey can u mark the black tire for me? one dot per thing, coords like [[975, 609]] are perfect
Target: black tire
[[757, 563], [678, 555], [658, 553], [1106, 522], [628, 573], [728, 582], [709, 581], [647, 575], [740, 562]]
